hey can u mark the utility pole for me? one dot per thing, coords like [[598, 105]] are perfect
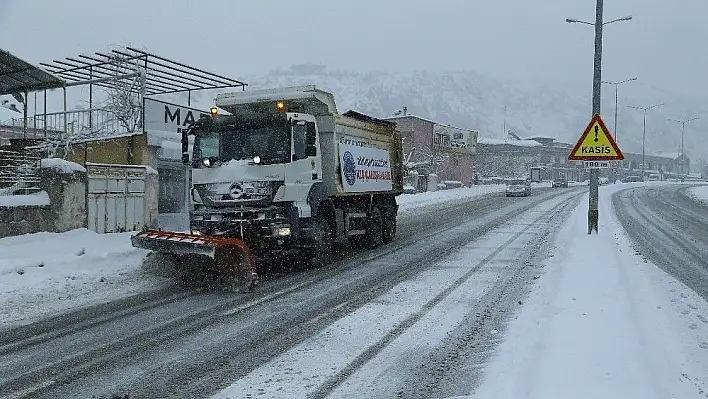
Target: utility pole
[[617, 84], [593, 212], [683, 129], [504, 136]]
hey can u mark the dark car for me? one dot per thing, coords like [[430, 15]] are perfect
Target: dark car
[[560, 182], [631, 179], [519, 187]]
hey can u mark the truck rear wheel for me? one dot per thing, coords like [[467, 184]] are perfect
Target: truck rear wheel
[[374, 229], [389, 227]]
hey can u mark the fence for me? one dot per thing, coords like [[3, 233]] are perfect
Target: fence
[[74, 123], [18, 172]]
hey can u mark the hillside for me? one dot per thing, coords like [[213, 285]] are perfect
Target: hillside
[[472, 100]]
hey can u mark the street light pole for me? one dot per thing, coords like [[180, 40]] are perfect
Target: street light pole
[[644, 132], [683, 128], [593, 212], [617, 84]]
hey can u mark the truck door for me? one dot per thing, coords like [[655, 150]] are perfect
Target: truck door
[[305, 167]]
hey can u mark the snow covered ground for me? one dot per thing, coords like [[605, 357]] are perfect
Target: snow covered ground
[[699, 194], [409, 202], [47, 273], [602, 322]]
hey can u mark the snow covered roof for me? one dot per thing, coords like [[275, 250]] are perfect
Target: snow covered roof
[[426, 120], [539, 137], [669, 155], [518, 143], [61, 165]]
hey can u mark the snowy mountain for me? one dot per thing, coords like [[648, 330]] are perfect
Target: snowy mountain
[[472, 100]]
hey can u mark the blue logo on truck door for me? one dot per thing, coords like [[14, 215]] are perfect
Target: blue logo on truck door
[[349, 168]]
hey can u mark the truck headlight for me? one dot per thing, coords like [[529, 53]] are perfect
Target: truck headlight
[[281, 231]]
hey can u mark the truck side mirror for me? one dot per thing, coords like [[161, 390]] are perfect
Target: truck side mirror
[[185, 159]]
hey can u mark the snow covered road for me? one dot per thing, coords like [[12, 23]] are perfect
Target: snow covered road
[[196, 344], [46, 274]]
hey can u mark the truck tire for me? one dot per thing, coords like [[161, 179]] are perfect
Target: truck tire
[[323, 242], [374, 229], [389, 227]]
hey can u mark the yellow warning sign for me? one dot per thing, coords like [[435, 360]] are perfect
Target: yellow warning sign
[[596, 144]]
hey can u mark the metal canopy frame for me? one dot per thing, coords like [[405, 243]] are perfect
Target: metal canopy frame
[[162, 76], [19, 76]]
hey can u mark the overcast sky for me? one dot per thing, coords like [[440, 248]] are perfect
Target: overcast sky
[[523, 40]]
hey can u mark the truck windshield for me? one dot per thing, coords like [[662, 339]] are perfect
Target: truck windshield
[[270, 143]]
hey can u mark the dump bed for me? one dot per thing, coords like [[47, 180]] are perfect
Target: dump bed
[[360, 154]]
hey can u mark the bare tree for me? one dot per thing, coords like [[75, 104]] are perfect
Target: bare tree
[[125, 96], [436, 159]]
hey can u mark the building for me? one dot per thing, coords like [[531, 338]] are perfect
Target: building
[[435, 148], [514, 157], [133, 126], [506, 158]]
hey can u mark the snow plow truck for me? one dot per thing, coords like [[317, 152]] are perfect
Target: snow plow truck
[[284, 171]]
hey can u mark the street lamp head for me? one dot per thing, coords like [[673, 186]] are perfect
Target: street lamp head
[[571, 20], [627, 18]]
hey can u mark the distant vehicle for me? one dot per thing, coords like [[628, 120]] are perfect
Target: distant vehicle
[[518, 187], [631, 179], [560, 182], [536, 174], [603, 181], [653, 177]]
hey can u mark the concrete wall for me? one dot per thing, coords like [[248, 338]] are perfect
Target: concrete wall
[[66, 211], [67, 195], [152, 190], [129, 150]]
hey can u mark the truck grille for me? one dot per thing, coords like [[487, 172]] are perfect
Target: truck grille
[[236, 193]]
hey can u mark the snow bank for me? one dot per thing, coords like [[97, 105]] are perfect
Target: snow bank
[[61, 165], [410, 202], [602, 323], [46, 273], [36, 199], [698, 194], [149, 170]]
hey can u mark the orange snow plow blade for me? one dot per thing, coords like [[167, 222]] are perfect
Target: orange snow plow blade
[[232, 257]]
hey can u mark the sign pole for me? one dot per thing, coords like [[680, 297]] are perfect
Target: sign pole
[[593, 211]]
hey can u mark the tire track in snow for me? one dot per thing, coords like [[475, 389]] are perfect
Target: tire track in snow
[[679, 256], [367, 351]]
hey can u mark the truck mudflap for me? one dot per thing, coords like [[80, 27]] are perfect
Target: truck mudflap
[[232, 257]]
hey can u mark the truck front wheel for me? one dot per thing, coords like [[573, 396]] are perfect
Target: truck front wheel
[[322, 249]]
